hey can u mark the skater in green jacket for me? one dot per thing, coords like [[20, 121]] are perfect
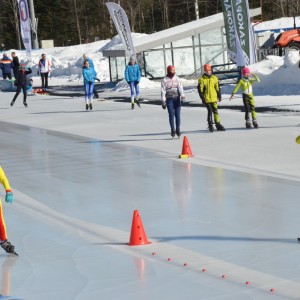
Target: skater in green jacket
[[248, 99], [210, 93]]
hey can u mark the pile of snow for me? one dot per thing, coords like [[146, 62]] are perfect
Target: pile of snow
[[277, 72], [145, 83], [282, 23], [67, 62]]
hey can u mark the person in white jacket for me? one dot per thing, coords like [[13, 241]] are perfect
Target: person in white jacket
[[171, 96], [44, 70]]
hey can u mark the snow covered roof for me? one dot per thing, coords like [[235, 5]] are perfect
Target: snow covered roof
[[176, 33]]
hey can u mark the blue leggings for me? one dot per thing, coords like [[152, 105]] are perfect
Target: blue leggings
[[174, 108], [134, 86], [88, 88]]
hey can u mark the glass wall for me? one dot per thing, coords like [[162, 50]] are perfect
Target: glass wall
[[187, 55]]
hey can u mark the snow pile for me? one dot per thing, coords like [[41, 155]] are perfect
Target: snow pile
[[278, 72], [145, 83], [282, 23], [67, 62]]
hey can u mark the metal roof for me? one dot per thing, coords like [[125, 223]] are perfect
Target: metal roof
[[175, 33]]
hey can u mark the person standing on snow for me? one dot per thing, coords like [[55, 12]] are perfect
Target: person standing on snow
[[171, 96], [85, 57], [15, 64], [21, 83], [44, 70], [248, 99], [133, 77], [89, 77], [4, 243], [210, 93], [6, 66]]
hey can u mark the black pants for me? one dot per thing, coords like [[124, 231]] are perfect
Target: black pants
[[5, 75], [44, 80], [16, 70], [19, 88]]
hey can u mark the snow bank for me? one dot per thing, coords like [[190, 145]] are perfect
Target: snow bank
[[277, 71]]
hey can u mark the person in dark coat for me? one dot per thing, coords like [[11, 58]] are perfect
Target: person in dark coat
[[21, 83], [15, 64], [6, 66]]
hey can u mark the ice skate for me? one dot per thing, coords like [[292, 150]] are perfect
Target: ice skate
[[178, 133], [248, 124], [220, 127], [8, 247], [132, 105], [91, 106], [254, 122], [87, 107], [172, 133], [25, 104], [12, 103], [210, 127], [136, 100]]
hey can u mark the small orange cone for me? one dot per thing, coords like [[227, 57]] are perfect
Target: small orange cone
[[138, 235], [186, 149]]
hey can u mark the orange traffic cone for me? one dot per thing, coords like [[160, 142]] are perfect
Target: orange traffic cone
[[138, 235], [186, 149]]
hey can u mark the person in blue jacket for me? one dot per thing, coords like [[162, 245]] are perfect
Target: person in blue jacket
[[133, 77], [85, 57], [6, 66], [89, 77], [21, 83]]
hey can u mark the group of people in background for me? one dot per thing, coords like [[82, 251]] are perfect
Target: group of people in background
[[209, 91], [171, 88], [20, 72], [172, 94]]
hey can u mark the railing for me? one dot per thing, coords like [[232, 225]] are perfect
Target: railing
[[264, 52], [227, 73]]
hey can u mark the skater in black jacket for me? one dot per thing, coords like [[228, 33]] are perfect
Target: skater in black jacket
[[15, 64], [21, 84]]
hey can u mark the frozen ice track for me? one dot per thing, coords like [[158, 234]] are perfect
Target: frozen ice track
[[73, 209]]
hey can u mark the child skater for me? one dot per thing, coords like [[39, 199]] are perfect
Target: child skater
[[89, 77], [21, 83], [133, 77], [210, 93], [5, 244], [171, 95], [248, 99]]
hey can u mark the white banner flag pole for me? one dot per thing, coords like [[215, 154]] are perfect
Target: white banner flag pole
[[25, 25], [120, 20]]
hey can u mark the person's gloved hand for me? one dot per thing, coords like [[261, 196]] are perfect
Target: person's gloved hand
[[90, 82], [220, 99], [128, 82], [97, 79], [164, 105], [9, 196], [137, 82]]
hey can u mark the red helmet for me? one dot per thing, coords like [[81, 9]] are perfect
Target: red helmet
[[245, 71], [171, 70], [207, 67]]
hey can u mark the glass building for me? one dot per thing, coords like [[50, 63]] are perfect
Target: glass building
[[188, 47]]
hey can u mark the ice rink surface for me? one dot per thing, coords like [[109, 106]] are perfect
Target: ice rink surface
[[223, 224]]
